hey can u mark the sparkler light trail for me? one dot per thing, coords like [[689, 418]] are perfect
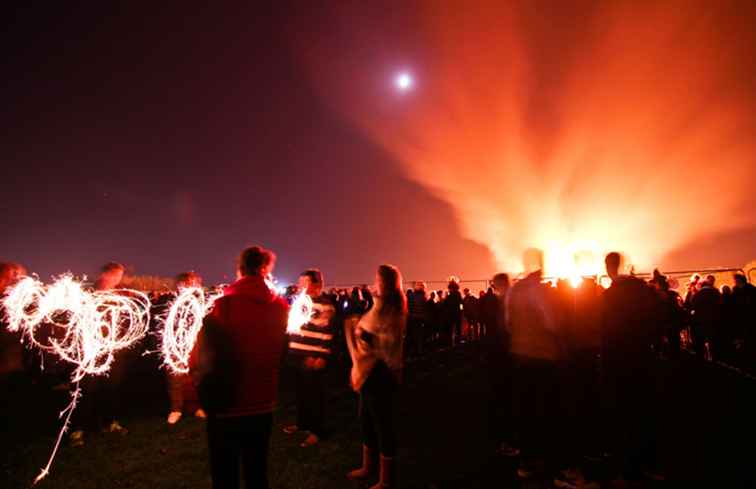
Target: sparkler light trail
[[300, 313], [86, 328], [182, 325]]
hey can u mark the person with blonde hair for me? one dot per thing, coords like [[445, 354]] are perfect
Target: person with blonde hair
[[375, 345]]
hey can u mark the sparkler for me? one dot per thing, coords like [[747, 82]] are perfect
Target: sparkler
[[87, 328], [300, 313], [182, 325]]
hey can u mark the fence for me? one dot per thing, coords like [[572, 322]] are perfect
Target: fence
[[679, 279]]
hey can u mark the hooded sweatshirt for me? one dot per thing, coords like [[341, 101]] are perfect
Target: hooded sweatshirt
[[240, 347]]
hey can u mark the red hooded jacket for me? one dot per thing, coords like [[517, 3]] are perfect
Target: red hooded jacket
[[239, 349]]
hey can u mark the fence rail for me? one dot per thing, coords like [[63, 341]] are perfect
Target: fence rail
[[483, 284]]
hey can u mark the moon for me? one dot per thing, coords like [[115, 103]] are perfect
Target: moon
[[403, 81]]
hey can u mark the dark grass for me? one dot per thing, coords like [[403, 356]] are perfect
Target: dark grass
[[706, 433]]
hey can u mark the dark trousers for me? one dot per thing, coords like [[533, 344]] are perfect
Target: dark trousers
[[415, 337], [537, 410], [630, 396], [245, 440], [377, 411], [581, 404], [311, 399], [100, 402], [498, 366]]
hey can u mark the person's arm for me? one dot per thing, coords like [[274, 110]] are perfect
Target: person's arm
[[350, 324]]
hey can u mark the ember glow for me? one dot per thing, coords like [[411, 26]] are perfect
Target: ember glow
[[83, 328], [627, 131], [182, 325], [300, 313]]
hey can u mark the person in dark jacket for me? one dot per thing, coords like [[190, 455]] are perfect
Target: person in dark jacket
[[497, 362], [632, 328], [310, 350], [707, 310], [743, 311], [235, 364], [453, 311], [471, 310], [489, 307], [417, 320]]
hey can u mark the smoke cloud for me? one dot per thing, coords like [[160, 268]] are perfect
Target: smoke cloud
[[575, 129]]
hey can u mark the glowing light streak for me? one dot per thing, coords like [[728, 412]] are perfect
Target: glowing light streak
[[182, 325], [300, 313], [86, 328]]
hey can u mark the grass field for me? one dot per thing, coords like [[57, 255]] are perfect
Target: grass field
[[442, 423]]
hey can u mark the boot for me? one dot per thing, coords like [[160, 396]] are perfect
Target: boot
[[368, 466], [387, 474]]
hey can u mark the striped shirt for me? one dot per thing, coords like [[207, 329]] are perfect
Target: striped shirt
[[315, 339]]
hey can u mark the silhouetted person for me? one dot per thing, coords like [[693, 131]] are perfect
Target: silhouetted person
[[673, 317], [497, 362], [538, 355], [707, 310], [417, 320], [101, 401], [432, 316], [471, 310], [743, 312], [489, 309], [375, 345], [580, 320], [453, 312], [310, 351], [235, 364], [631, 326]]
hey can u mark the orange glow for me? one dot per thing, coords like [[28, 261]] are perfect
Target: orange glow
[[626, 131]]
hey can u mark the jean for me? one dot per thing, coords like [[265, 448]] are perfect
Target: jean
[[311, 399]]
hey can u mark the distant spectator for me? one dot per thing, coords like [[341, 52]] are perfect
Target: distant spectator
[[416, 322], [706, 309], [471, 310]]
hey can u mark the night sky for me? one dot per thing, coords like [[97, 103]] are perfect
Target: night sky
[[169, 138]]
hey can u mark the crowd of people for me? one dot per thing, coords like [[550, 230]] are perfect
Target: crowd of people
[[556, 358]]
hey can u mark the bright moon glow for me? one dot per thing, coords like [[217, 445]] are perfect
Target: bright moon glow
[[403, 81]]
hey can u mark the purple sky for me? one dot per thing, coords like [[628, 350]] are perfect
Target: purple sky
[[169, 139]]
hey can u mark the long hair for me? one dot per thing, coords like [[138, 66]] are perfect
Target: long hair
[[393, 300]]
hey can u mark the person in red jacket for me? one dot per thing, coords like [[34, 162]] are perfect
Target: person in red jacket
[[235, 364]]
